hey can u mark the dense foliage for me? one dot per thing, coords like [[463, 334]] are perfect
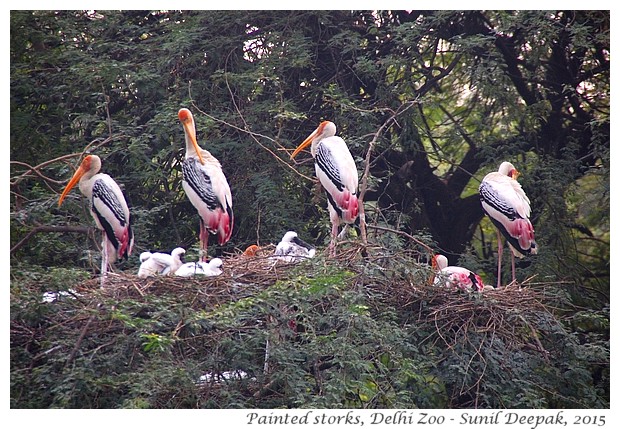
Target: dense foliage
[[349, 333], [427, 101]]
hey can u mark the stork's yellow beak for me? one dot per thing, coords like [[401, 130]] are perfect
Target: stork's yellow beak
[[187, 120], [75, 179], [309, 139], [302, 146]]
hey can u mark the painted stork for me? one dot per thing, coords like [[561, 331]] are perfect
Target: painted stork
[[336, 170], [157, 263], [506, 204], [293, 249], [108, 208], [212, 268], [455, 277], [206, 187]]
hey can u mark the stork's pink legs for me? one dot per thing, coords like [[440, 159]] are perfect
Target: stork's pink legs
[[500, 250], [332, 243], [204, 242], [104, 258]]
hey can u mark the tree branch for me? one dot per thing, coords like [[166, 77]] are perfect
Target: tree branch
[[364, 185], [36, 169], [404, 234], [249, 132], [48, 228]]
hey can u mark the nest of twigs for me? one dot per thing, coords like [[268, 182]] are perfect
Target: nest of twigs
[[401, 280], [460, 324], [241, 276]]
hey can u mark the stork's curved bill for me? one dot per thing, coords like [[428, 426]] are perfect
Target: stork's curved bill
[[189, 127]]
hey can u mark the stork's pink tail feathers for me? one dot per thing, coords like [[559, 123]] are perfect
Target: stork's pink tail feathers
[[125, 245], [219, 222], [349, 205], [479, 284], [523, 231], [225, 229]]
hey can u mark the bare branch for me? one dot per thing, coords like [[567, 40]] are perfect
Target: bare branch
[[251, 133], [404, 234], [49, 228], [364, 185], [36, 169]]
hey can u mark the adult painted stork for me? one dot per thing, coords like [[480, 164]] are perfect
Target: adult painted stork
[[206, 187], [108, 208], [212, 268], [506, 204], [158, 263], [455, 277], [336, 170], [293, 249]]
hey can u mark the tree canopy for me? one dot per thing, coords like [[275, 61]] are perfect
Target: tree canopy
[[428, 102]]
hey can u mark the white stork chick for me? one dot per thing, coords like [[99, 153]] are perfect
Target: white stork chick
[[206, 187], [336, 170], [455, 277], [216, 378], [50, 297], [506, 204], [164, 264], [293, 249], [210, 269], [107, 207]]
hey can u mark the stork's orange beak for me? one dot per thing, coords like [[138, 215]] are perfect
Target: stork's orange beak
[[75, 179], [304, 145], [308, 140], [187, 121], [515, 174]]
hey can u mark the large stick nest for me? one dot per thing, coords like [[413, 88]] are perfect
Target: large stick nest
[[395, 280]]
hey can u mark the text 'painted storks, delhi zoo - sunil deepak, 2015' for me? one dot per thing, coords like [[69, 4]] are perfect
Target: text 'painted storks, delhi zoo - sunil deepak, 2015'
[[506, 204], [206, 187], [337, 173], [108, 208]]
